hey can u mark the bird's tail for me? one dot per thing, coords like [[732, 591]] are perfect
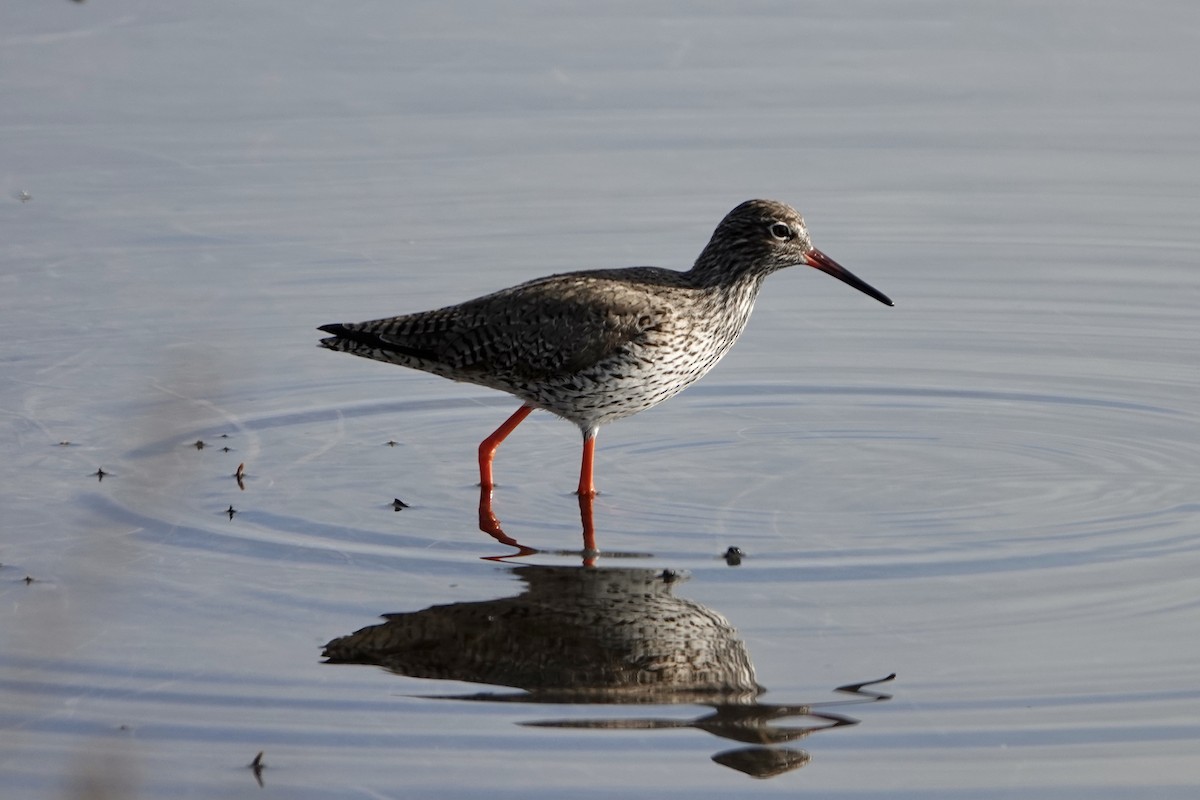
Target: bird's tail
[[362, 341]]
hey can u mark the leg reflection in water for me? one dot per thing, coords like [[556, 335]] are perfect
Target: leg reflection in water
[[489, 523]]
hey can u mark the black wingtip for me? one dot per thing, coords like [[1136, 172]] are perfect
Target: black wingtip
[[352, 339], [338, 330]]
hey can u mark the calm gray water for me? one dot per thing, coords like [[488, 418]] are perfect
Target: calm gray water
[[989, 490]]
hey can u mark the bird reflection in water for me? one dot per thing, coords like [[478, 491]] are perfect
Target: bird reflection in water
[[616, 636]]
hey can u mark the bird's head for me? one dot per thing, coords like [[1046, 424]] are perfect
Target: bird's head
[[762, 236]]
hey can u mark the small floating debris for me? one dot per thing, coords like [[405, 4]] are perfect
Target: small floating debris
[[398, 504], [257, 766], [100, 474], [858, 688], [733, 556], [231, 511]]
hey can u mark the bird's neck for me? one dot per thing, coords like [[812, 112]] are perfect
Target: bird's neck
[[726, 307], [729, 290], [720, 280]]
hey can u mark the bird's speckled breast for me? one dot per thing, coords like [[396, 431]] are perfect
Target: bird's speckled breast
[[683, 342]]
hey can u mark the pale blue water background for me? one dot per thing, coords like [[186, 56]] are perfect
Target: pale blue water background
[[990, 490]]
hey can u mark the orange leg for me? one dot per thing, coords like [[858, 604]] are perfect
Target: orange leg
[[487, 448], [489, 523], [587, 486]]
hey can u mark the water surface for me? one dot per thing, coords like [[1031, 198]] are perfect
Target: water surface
[[989, 490]]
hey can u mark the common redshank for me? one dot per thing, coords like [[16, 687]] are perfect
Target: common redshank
[[595, 346]]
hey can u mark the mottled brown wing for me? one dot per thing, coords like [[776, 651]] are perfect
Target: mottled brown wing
[[550, 328], [553, 326]]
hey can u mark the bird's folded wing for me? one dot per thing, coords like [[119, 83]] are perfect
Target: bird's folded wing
[[533, 331]]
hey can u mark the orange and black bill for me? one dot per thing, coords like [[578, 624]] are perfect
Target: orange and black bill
[[818, 260]]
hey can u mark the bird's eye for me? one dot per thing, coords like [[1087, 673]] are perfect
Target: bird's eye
[[780, 231]]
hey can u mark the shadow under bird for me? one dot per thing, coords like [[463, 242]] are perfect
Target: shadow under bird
[[599, 345]]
